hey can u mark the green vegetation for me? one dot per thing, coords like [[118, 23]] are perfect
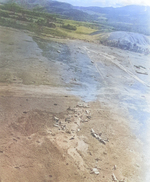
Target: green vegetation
[[69, 27], [43, 23], [70, 18]]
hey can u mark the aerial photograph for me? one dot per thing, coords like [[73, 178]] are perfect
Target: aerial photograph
[[74, 91]]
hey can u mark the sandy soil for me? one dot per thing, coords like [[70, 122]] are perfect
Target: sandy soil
[[45, 132]]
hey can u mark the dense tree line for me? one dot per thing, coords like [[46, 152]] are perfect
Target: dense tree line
[[69, 27]]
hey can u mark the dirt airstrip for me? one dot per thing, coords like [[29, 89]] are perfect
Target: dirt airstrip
[[45, 133]]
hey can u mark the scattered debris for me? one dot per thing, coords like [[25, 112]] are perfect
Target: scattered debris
[[98, 137], [139, 66], [84, 120], [56, 119], [83, 105], [70, 109], [115, 167], [63, 127], [144, 73], [90, 153], [140, 70], [100, 134], [68, 119], [74, 79], [72, 137], [114, 177], [95, 171], [97, 159], [56, 125], [67, 131], [87, 111], [89, 117]]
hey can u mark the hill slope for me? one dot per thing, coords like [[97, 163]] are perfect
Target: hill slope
[[132, 18], [128, 41]]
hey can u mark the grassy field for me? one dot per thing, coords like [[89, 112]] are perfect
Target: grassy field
[[46, 24]]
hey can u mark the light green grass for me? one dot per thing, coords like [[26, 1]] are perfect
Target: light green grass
[[83, 29]]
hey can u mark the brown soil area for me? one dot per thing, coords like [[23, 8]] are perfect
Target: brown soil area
[[36, 146]]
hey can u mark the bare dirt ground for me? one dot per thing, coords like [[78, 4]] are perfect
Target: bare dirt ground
[[45, 133]]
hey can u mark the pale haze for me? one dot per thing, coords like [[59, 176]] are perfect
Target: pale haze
[[106, 3]]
